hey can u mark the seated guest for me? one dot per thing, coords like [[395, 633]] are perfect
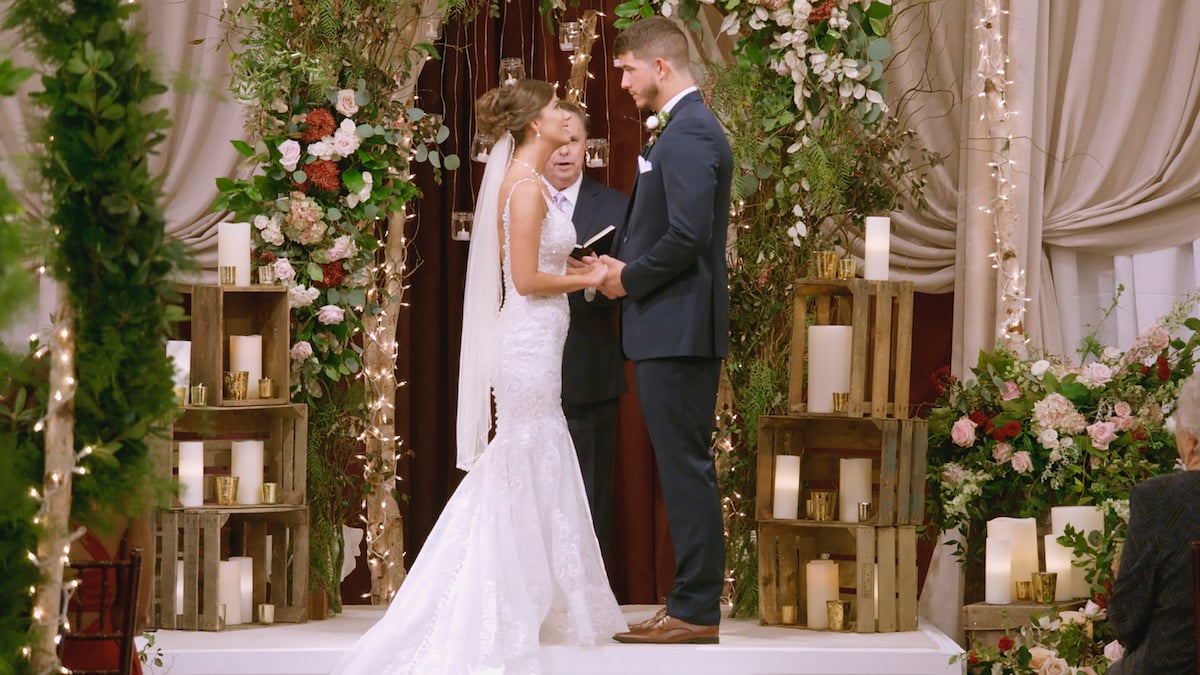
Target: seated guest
[[1151, 603]]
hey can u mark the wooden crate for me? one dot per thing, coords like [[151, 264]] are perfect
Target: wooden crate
[[877, 570], [880, 313], [897, 449], [195, 537], [985, 624], [220, 311], [282, 428]]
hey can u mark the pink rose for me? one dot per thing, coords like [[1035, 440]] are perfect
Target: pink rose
[[343, 247], [346, 103], [1009, 391], [284, 270], [289, 152], [1123, 409], [963, 432], [1021, 463], [1055, 665], [301, 351], [1095, 375], [1002, 453], [1102, 433], [331, 314], [1113, 651], [1039, 656]]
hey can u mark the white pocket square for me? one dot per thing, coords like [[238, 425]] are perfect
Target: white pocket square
[[644, 165]]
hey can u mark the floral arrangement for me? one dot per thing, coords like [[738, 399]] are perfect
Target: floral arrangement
[[1028, 434], [1073, 642]]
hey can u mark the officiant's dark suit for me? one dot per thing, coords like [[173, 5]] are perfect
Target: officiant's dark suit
[[593, 370], [1151, 604], [675, 327]]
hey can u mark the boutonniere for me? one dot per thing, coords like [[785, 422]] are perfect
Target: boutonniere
[[655, 125]]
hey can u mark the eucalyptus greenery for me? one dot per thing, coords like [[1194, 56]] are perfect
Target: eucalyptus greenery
[[110, 254]]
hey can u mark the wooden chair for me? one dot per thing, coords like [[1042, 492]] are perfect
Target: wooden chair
[[1196, 600], [114, 576]]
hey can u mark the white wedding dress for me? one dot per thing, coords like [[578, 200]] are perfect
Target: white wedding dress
[[513, 560]]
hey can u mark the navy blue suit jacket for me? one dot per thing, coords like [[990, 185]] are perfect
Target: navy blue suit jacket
[[593, 369], [1151, 604], [673, 244]]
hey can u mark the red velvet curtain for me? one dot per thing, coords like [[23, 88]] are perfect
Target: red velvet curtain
[[641, 566]]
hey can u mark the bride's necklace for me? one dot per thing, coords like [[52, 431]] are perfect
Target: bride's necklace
[[532, 170]]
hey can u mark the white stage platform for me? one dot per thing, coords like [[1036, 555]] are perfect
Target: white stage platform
[[746, 648]]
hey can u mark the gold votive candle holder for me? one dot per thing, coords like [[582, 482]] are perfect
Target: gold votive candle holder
[[1024, 591], [1044, 585], [787, 615], [270, 493], [236, 384], [266, 613], [266, 388], [827, 264], [266, 275], [227, 274], [227, 487], [846, 268], [824, 504], [838, 612], [199, 395], [809, 511], [840, 400], [864, 512], [181, 395]]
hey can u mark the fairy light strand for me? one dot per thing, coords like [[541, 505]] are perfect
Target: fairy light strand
[[996, 115]]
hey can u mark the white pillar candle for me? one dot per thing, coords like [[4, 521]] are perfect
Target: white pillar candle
[[997, 571], [246, 585], [229, 590], [179, 587], [233, 249], [821, 586], [877, 254], [828, 365], [1022, 533], [191, 473], [854, 486], [245, 353], [180, 353], [787, 487], [1058, 559], [246, 462], [1081, 519]]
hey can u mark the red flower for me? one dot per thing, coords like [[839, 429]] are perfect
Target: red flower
[[1012, 428], [334, 274], [323, 175], [1145, 369], [941, 378], [266, 257], [977, 417], [1006, 643], [320, 124], [1102, 598], [1138, 433], [972, 658], [1164, 368], [820, 12]]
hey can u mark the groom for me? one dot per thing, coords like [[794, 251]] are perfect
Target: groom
[[669, 266]]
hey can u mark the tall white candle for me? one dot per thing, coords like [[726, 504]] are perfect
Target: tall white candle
[[878, 248], [246, 462], [1022, 533], [191, 473], [1081, 519], [997, 571], [229, 590], [245, 353], [854, 486], [1058, 559], [180, 352], [233, 249], [246, 585], [179, 587], [787, 487], [828, 365], [821, 586]]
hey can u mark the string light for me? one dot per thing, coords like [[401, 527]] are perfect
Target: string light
[[993, 63]]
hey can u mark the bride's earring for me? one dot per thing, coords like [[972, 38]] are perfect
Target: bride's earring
[[537, 132]]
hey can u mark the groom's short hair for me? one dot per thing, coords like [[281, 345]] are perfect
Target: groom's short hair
[[652, 38]]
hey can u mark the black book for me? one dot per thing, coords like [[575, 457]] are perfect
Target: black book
[[600, 243]]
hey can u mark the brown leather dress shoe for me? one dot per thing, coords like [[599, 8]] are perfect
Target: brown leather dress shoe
[[643, 625], [671, 631]]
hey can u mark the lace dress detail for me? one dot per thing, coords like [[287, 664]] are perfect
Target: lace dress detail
[[513, 560]]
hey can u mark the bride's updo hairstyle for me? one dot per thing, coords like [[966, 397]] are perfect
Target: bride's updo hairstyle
[[512, 107]]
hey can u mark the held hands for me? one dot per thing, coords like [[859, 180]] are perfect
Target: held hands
[[612, 287]]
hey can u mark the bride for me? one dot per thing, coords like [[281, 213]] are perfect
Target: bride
[[513, 561]]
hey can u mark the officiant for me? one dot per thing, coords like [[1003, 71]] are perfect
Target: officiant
[[593, 371]]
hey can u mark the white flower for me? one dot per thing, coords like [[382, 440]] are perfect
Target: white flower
[[346, 103], [261, 222], [1039, 367], [345, 139], [302, 296], [301, 350], [272, 235], [331, 315], [343, 247], [284, 270], [797, 232], [1091, 610], [322, 149], [1048, 438], [652, 123], [289, 152], [1113, 651]]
